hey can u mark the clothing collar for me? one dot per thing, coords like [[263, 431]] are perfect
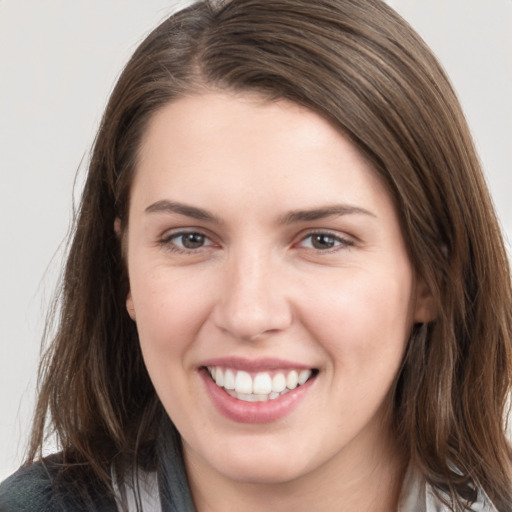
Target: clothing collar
[[418, 496]]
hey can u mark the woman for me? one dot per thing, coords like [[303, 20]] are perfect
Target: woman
[[286, 289]]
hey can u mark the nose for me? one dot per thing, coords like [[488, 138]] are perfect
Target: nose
[[253, 299]]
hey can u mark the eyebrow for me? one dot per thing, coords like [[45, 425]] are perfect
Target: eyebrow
[[182, 209], [322, 213], [292, 217]]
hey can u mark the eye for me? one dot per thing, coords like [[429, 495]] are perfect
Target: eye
[[186, 241], [323, 241]]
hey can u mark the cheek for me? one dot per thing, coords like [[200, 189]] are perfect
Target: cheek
[[363, 323], [169, 309], [169, 314]]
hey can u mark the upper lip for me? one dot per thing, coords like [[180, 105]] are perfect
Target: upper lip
[[254, 365]]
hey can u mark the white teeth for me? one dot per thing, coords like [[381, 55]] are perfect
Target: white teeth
[[243, 383], [304, 376], [278, 383], [262, 384], [261, 387], [292, 380], [246, 397], [219, 377], [229, 379]]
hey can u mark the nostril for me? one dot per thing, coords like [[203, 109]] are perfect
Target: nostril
[[251, 311]]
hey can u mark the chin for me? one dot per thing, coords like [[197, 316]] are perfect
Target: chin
[[261, 472], [258, 463]]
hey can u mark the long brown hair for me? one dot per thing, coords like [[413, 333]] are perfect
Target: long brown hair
[[357, 63]]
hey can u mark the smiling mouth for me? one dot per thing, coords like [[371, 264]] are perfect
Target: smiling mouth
[[261, 386]]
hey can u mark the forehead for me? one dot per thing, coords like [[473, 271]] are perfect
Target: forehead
[[208, 137], [209, 116]]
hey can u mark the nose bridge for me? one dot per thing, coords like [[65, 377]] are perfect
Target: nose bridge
[[253, 301]]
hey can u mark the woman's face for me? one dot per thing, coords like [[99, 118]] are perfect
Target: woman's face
[[270, 284]]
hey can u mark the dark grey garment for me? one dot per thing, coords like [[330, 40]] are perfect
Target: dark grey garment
[[35, 488], [172, 477]]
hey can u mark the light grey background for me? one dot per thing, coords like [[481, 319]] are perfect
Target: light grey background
[[58, 63]]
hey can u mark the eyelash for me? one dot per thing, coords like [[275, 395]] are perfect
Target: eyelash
[[169, 242], [339, 240]]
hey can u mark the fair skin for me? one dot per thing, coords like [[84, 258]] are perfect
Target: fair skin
[[261, 242]]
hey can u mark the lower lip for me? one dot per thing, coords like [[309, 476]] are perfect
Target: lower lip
[[254, 412]]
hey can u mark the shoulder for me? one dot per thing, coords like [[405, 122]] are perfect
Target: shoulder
[[34, 487], [27, 489]]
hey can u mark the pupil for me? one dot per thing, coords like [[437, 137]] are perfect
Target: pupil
[[193, 240], [323, 241]]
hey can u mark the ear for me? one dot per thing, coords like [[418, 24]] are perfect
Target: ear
[[129, 301], [425, 309], [129, 306], [117, 227]]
